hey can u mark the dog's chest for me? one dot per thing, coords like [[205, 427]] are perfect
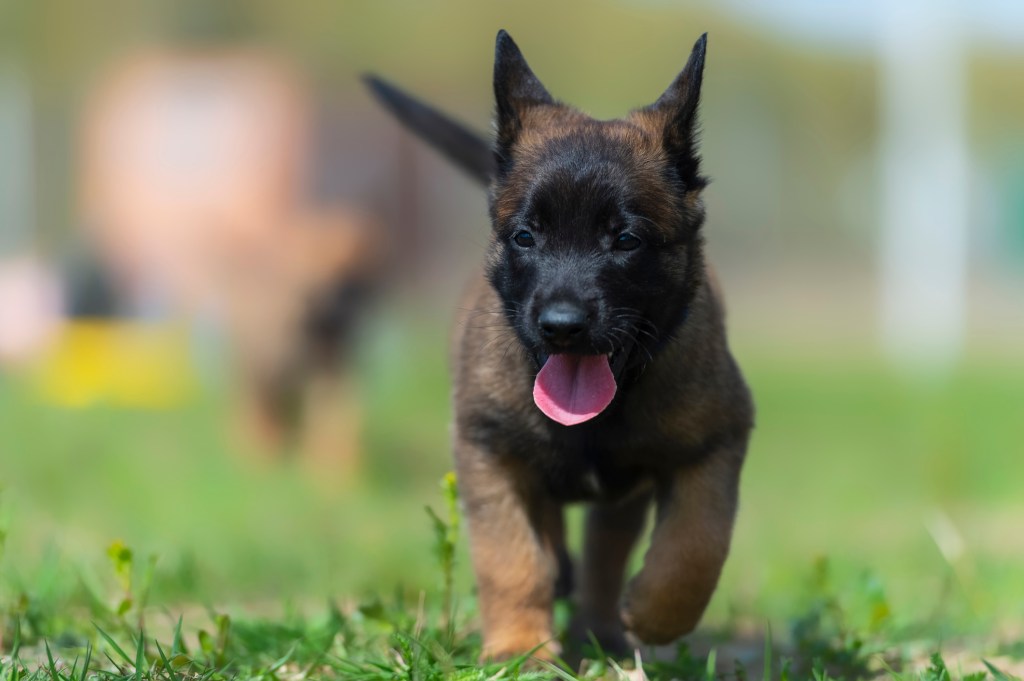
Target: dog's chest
[[585, 467]]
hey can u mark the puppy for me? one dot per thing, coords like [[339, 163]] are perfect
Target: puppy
[[591, 364]]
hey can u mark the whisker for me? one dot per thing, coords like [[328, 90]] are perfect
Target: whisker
[[498, 338], [513, 342], [646, 219]]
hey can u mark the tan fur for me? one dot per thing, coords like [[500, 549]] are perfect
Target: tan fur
[[513, 551]]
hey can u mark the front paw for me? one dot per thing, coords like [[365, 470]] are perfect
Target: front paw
[[657, 616]]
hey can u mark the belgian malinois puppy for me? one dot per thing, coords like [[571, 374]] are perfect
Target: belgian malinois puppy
[[591, 364]]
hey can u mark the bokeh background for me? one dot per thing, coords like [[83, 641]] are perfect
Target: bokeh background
[[226, 278]]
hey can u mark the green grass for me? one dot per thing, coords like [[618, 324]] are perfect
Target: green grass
[[880, 523]]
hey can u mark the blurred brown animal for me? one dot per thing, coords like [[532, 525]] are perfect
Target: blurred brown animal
[[592, 365], [194, 177]]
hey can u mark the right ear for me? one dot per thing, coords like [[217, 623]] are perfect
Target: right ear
[[516, 89], [467, 149], [678, 108]]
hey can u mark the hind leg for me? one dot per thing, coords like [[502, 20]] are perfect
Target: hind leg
[[611, 532], [553, 528]]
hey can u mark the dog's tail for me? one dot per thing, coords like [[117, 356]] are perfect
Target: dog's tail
[[468, 150]]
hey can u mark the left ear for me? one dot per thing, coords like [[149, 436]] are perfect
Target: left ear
[[678, 106]]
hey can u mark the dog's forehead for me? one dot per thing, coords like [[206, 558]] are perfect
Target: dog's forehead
[[557, 130], [567, 147], [563, 156]]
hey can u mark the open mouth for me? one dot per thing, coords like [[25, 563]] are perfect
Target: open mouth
[[574, 388]]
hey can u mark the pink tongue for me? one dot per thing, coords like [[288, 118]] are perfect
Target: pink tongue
[[571, 389]]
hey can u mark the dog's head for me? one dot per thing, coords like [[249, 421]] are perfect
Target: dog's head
[[595, 251]]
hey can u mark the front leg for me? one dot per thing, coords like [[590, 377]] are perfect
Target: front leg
[[696, 508], [515, 535]]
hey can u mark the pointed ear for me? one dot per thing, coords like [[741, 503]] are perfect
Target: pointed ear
[[468, 150], [678, 106], [516, 88]]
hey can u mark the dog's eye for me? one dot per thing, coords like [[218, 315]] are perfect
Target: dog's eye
[[523, 239], [627, 242]]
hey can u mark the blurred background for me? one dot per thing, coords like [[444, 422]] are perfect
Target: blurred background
[[226, 278]]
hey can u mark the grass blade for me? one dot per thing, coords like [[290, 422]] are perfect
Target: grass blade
[[556, 670], [998, 673], [140, 656], [51, 665], [113, 644], [16, 643], [283, 661], [709, 672], [178, 646], [85, 665]]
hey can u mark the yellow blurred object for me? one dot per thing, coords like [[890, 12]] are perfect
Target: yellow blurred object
[[124, 364]]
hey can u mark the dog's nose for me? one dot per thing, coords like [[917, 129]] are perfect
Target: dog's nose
[[562, 323]]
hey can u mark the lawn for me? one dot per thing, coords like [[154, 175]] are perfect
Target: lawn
[[880, 522]]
